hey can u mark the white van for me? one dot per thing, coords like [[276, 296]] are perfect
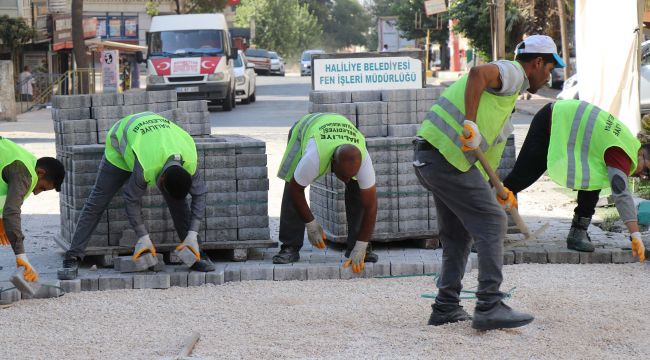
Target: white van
[[193, 54]]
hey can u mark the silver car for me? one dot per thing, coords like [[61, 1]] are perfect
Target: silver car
[[277, 64], [305, 61]]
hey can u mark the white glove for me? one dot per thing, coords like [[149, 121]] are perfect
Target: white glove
[[191, 243], [29, 274], [143, 245], [473, 139], [357, 256], [315, 234], [638, 249]]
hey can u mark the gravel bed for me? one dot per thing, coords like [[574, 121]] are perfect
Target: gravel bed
[[582, 312]]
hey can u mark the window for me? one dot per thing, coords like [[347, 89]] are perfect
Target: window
[[115, 27], [131, 27], [188, 42]]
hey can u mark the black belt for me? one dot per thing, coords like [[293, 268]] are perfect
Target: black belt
[[422, 145]]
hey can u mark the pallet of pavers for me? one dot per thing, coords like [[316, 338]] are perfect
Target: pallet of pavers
[[233, 167], [389, 119]]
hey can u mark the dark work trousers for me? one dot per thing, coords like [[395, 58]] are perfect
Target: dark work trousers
[[109, 181], [292, 227], [466, 209], [531, 163]]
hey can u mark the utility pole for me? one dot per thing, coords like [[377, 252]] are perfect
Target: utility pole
[[501, 29], [565, 38]]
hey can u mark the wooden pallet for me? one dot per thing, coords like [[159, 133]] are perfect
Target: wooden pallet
[[423, 241]]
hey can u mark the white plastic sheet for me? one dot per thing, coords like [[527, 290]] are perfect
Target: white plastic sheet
[[607, 48]]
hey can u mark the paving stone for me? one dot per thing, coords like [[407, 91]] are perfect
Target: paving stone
[[519, 255], [196, 278], [124, 264], [216, 277], [115, 282], [71, 286], [261, 272], [621, 256], [289, 272], [178, 278], [365, 96], [563, 256], [107, 99], [508, 257], [8, 296], [599, 256], [70, 101], [381, 268], [347, 273], [232, 273], [186, 256], [89, 284], [152, 281], [330, 97], [431, 267], [535, 256], [323, 271]]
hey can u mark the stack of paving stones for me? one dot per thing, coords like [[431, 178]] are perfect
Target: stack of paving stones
[[234, 168], [389, 119]]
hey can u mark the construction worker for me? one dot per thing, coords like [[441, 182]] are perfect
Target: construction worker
[[479, 103], [144, 149], [22, 175], [586, 149], [320, 143]]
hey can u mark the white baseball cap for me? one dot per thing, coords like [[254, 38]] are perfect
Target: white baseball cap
[[540, 44]]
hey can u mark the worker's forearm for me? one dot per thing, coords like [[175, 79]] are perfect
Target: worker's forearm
[[632, 226], [300, 202], [14, 232]]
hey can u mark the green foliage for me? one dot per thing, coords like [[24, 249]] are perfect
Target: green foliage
[[284, 26], [151, 7], [15, 32], [474, 23], [204, 6], [377, 9], [405, 12], [348, 26]]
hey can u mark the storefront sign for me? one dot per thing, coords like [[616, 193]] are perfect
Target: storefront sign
[[62, 30], [110, 60], [367, 73]]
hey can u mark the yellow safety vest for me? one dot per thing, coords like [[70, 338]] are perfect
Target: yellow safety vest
[[10, 152]]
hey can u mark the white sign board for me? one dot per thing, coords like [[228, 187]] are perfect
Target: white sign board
[[373, 73], [110, 60], [432, 7]]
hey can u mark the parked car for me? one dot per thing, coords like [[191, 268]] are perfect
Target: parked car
[[570, 88], [260, 58], [305, 61], [245, 79], [277, 64]]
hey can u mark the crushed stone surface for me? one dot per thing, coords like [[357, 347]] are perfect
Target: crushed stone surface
[[582, 312]]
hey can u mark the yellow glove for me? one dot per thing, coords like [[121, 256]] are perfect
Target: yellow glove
[[143, 245], [638, 249], [509, 202], [357, 257], [4, 240], [472, 141], [29, 274]]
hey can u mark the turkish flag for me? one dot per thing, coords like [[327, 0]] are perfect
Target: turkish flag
[[233, 2]]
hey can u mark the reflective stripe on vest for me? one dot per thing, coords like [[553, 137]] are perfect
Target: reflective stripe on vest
[[581, 133], [121, 147], [452, 133], [299, 130]]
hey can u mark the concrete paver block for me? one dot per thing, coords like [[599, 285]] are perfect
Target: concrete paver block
[[323, 272], [563, 256], [8, 296], [260, 272], [381, 268], [508, 257], [178, 278], [70, 101], [71, 286], [152, 281], [186, 256], [216, 277], [330, 97], [365, 96], [535, 256], [232, 273], [289, 272], [124, 264], [115, 282], [89, 284], [623, 256], [368, 272], [599, 256], [196, 278]]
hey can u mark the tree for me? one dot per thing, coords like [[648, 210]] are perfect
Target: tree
[[284, 26], [474, 23], [15, 32], [204, 6], [349, 25], [79, 45]]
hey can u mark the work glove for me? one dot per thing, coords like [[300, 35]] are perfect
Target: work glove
[[143, 245], [29, 274], [638, 249], [4, 240], [191, 243], [509, 202], [473, 139], [315, 234], [357, 256]]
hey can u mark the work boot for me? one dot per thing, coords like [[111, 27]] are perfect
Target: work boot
[[70, 268], [203, 265], [578, 238], [440, 316], [499, 316], [287, 255]]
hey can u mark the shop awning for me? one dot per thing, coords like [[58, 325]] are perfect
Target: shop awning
[[99, 44]]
